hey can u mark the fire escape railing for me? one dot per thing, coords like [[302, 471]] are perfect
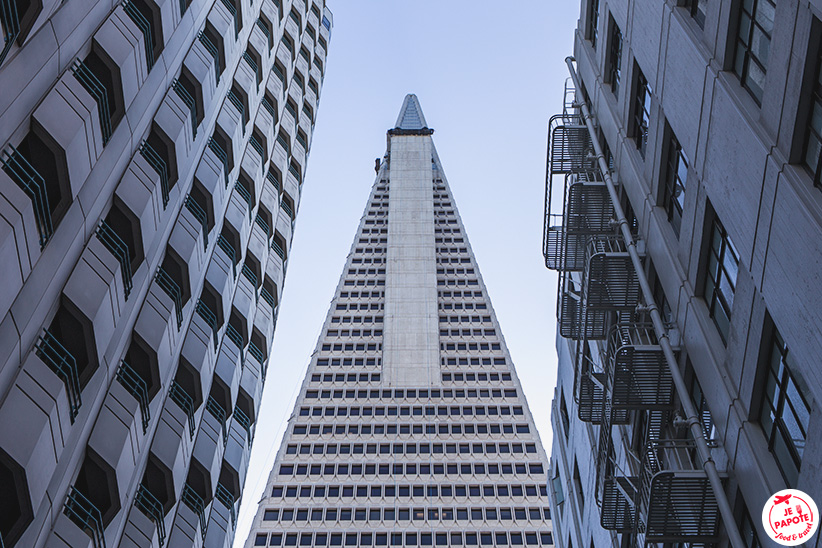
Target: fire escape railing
[[661, 490]]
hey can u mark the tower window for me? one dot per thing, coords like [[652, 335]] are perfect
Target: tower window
[[614, 59], [675, 180], [720, 285], [698, 10], [813, 139], [593, 23], [753, 44], [641, 111], [785, 411]]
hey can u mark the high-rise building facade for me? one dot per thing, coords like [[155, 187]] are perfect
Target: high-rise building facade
[[410, 428], [152, 158], [684, 216]]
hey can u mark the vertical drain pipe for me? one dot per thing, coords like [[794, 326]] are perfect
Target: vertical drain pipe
[[691, 416]]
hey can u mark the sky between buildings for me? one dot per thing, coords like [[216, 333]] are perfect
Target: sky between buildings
[[488, 76]]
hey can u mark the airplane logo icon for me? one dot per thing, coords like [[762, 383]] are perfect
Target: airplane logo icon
[[782, 499]]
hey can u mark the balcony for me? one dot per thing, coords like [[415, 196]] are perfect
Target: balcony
[[148, 504], [18, 168], [138, 388], [636, 371], [571, 150], [586, 212], [119, 249], [52, 352], [676, 502], [185, 402], [86, 516], [609, 282]]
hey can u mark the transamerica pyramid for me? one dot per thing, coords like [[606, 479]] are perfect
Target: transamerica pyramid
[[411, 427]]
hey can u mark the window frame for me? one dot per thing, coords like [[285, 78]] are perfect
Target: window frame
[[781, 380], [613, 57], [641, 111], [744, 47], [592, 23], [673, 187], [814, 90], [712, 291], [698, 10]]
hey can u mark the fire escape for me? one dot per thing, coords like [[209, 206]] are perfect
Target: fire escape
[[656, 490]]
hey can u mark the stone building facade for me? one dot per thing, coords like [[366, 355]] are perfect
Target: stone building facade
[[707, 117]]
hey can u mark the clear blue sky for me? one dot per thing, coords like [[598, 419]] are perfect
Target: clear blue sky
[[488, 76]]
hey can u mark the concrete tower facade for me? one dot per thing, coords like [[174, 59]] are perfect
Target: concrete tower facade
[[411, 428], [153, 153], [685, 218]]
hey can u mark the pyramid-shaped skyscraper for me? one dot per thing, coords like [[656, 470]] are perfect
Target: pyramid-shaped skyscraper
[[411, 427]]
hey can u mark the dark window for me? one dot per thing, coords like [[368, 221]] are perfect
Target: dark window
[[146, 15], [642, 111], [720, 285], [785, 411], [753, 44], [101, 77], [675, 180], [213, 42], [614, 59], [563, 414], [38, 166], [747, 528], [593, 22], [698, 10], [813, 140]]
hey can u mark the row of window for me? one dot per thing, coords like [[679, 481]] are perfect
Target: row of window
[[406, 514], [417, 411], [469, 346], [469, 282], [516, 538], [352, 347], [376, 377], [408, 491], [361, 294], [439, 428], [475, 377], [460, 294], [324, 362], [501, 448], [354, 332], [468, 333], [445, 429], [359, 319], [350, 377], [465, 319], [472, 361], [423, 393], [427, 468]]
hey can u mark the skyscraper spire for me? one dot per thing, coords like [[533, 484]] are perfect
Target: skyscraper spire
[[411, 427], [411, 116]]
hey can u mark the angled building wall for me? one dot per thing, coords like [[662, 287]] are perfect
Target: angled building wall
[[708, 124], [153, 153], [411, 427]]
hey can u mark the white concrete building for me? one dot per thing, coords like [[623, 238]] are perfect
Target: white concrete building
[[152, 158], [704, 131], [411, 427]]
